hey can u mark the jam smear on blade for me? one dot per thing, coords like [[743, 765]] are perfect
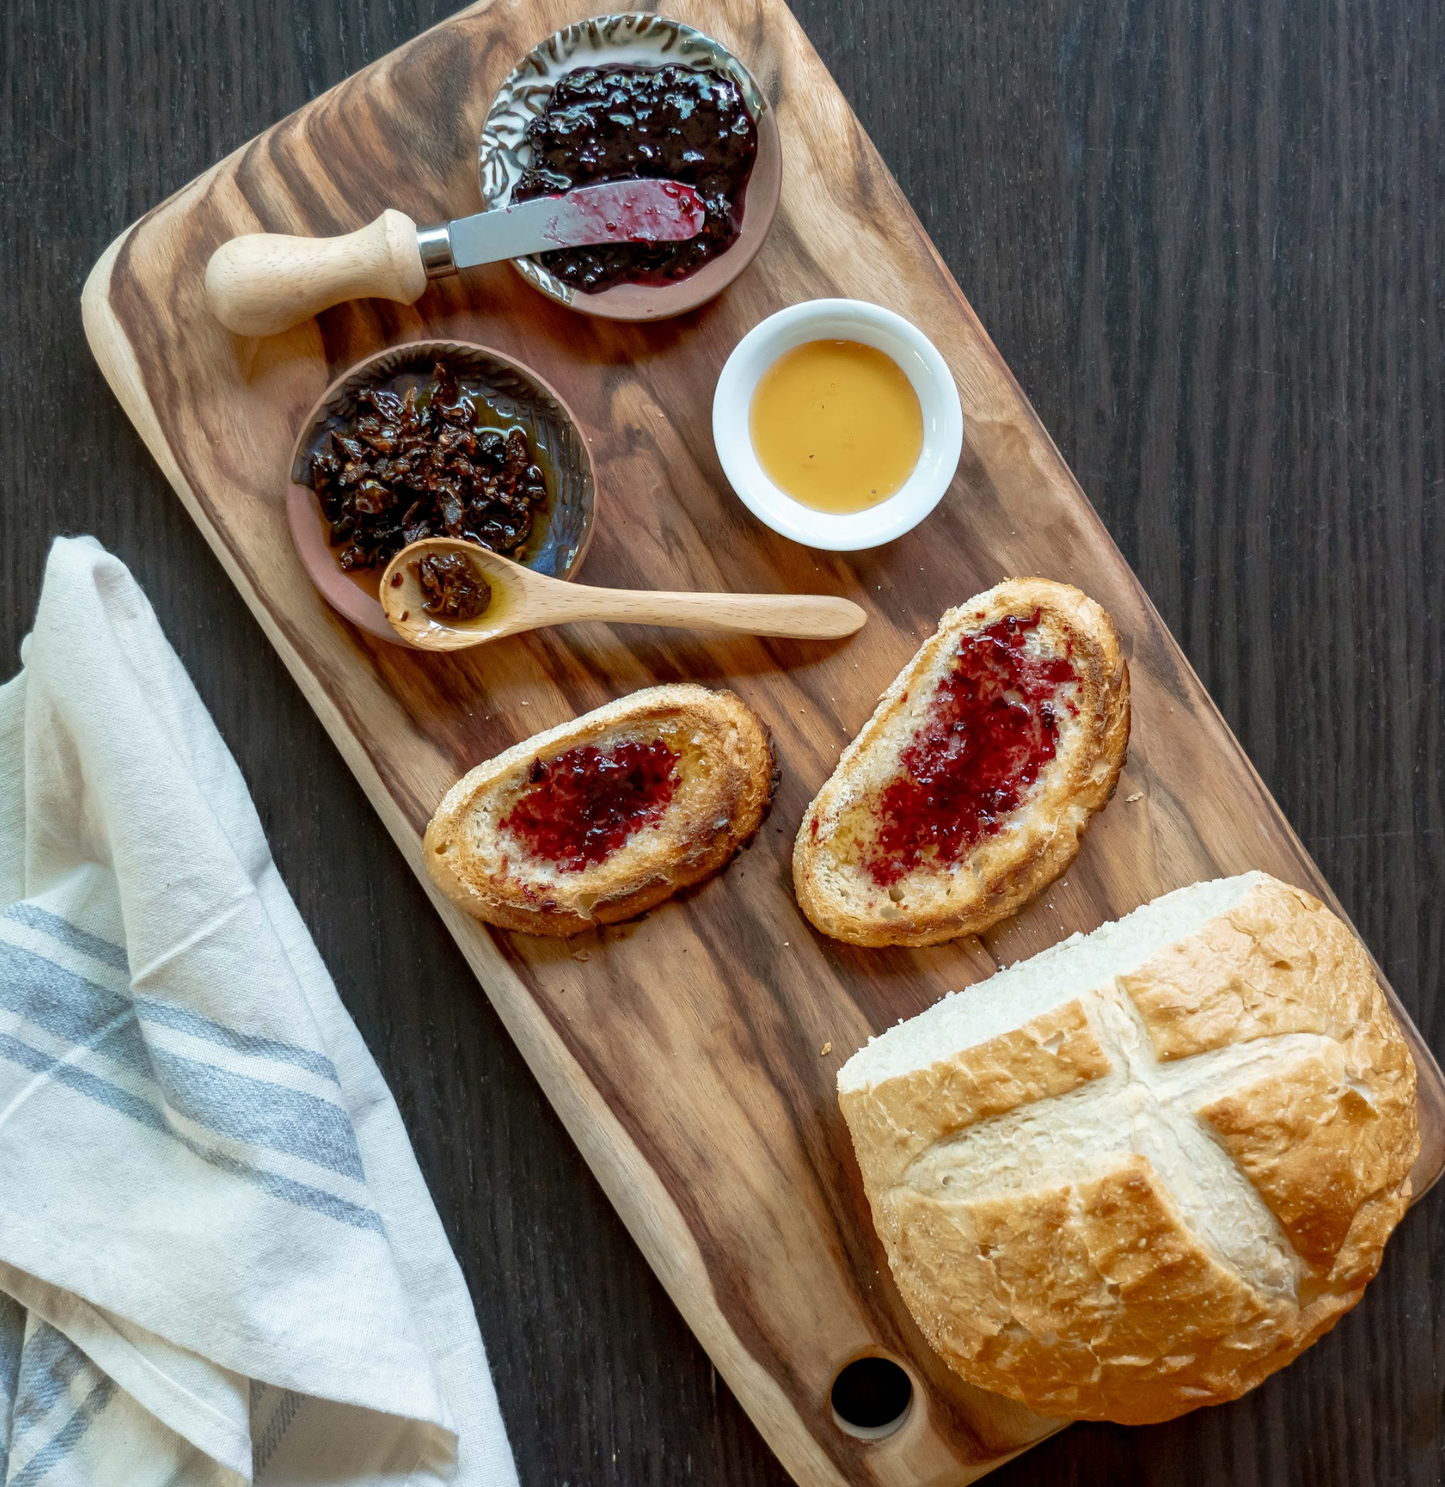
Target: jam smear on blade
[[991, 728], [581, 806], [625, 123]]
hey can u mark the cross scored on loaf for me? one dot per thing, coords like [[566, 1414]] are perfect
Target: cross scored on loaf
[[1142, 1107], [1145, 1169]]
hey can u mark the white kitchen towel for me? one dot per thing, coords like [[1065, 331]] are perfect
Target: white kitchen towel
[[218, 1260]]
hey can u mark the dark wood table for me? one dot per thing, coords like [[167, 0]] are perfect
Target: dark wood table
[[1209, 237]]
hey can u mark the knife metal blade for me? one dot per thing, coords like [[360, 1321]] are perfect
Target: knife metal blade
[[613, 212]]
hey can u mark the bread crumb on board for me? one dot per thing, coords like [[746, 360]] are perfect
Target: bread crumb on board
[[825, 1050], [1130, 799]]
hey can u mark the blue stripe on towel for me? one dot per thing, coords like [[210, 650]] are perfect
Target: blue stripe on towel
[[34, 917], [65, 1441], [48, 1363], [12, 1339], [102, 1091], [264, 1114], [282, 1418], [301, 1194], [166, 1013], [234, 1105], [71, 1007], [105, 1093]]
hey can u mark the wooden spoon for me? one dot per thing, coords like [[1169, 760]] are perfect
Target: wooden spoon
[[524, 600]]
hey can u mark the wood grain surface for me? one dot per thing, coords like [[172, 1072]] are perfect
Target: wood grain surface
[[691, 1055], [1364, 702]]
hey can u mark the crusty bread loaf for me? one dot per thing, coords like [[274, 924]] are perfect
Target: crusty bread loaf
[[991, 850], [721, 774], [1143, 1170]]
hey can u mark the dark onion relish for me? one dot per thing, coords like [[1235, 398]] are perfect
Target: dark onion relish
[[992, 725], [629, 123], [453, 588], [581, 806], [424, 464]]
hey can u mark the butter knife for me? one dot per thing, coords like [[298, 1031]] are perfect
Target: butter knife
[[267, 282]]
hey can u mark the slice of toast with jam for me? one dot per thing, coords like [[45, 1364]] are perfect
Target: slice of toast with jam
[[604, 817], [966, 792]]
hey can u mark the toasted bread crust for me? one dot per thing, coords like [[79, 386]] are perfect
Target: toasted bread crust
[[1087, 1287], [1037, 843], [727, 774]]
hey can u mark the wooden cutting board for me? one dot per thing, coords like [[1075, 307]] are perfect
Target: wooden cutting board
[[693, 1054]]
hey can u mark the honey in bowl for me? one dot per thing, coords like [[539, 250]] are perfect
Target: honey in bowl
[[836, 425]]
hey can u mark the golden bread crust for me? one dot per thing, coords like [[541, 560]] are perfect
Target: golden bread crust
[[726, 777], [1036, 843], [1089, 1277], [899, 1120], [1126, 1281]]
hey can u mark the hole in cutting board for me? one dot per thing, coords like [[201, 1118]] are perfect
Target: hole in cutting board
[[871, 1398]]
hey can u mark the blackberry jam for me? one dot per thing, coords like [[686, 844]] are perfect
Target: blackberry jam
[[583, 805], [627, 123], [992, 726]]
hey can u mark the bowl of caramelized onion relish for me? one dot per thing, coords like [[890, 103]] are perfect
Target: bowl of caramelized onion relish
[[436, 439], [627, 97]]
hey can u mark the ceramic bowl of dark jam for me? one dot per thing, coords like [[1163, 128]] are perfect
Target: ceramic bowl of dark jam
[[436, 439], [623, 97]]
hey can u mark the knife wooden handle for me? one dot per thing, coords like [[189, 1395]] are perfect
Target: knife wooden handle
[[267, 282]]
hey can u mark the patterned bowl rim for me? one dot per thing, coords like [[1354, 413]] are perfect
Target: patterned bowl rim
[[627, 36]]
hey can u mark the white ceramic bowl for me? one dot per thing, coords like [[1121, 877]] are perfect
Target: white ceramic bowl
[[926, 370]]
